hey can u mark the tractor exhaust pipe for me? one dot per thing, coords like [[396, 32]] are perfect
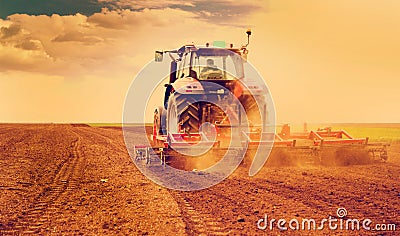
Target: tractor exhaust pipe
[[244, 48], [248, 32]]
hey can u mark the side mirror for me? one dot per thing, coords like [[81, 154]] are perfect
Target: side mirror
[[158, 57]]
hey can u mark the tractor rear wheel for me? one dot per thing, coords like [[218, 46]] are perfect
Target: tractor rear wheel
[[183, 110], [253, 111]]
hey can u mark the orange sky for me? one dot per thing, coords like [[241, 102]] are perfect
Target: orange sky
[[324, 61]]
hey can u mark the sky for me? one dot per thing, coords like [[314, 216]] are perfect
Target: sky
[[323, 61]]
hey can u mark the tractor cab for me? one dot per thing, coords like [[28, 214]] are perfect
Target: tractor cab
[[194, 66], [206, 62], [216, 64]]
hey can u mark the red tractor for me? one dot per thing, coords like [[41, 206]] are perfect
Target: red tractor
[[208, 94]]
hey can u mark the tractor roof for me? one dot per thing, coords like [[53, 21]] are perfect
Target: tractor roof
[[208, 50]]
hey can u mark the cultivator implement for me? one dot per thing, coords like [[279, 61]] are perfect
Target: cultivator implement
[[321, 137], [335, 146], [322, 146]]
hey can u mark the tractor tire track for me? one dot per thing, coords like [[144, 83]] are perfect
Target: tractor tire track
[[199, 222], [119, 146], [329, 199], [44, 208]]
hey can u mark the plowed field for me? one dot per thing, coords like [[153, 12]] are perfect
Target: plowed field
[[77, 179]]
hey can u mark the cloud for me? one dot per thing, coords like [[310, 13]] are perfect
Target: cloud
[[215, 11], [20, 49], [76, 44], [220, 12], [8, 32], [224, 11], [30, 44], [16, 57], [77, 36], [49, 7], [125, 19], [61, 45], [143, 4]]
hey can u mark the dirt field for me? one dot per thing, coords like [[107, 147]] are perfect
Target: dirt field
[[76, 179]]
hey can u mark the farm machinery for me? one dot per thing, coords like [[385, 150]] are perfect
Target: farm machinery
[[210, 106]]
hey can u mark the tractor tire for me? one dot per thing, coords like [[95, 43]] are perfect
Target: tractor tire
[[184, 110], [253, 111]]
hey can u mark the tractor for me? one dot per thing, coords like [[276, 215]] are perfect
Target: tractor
[[208, 93]]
